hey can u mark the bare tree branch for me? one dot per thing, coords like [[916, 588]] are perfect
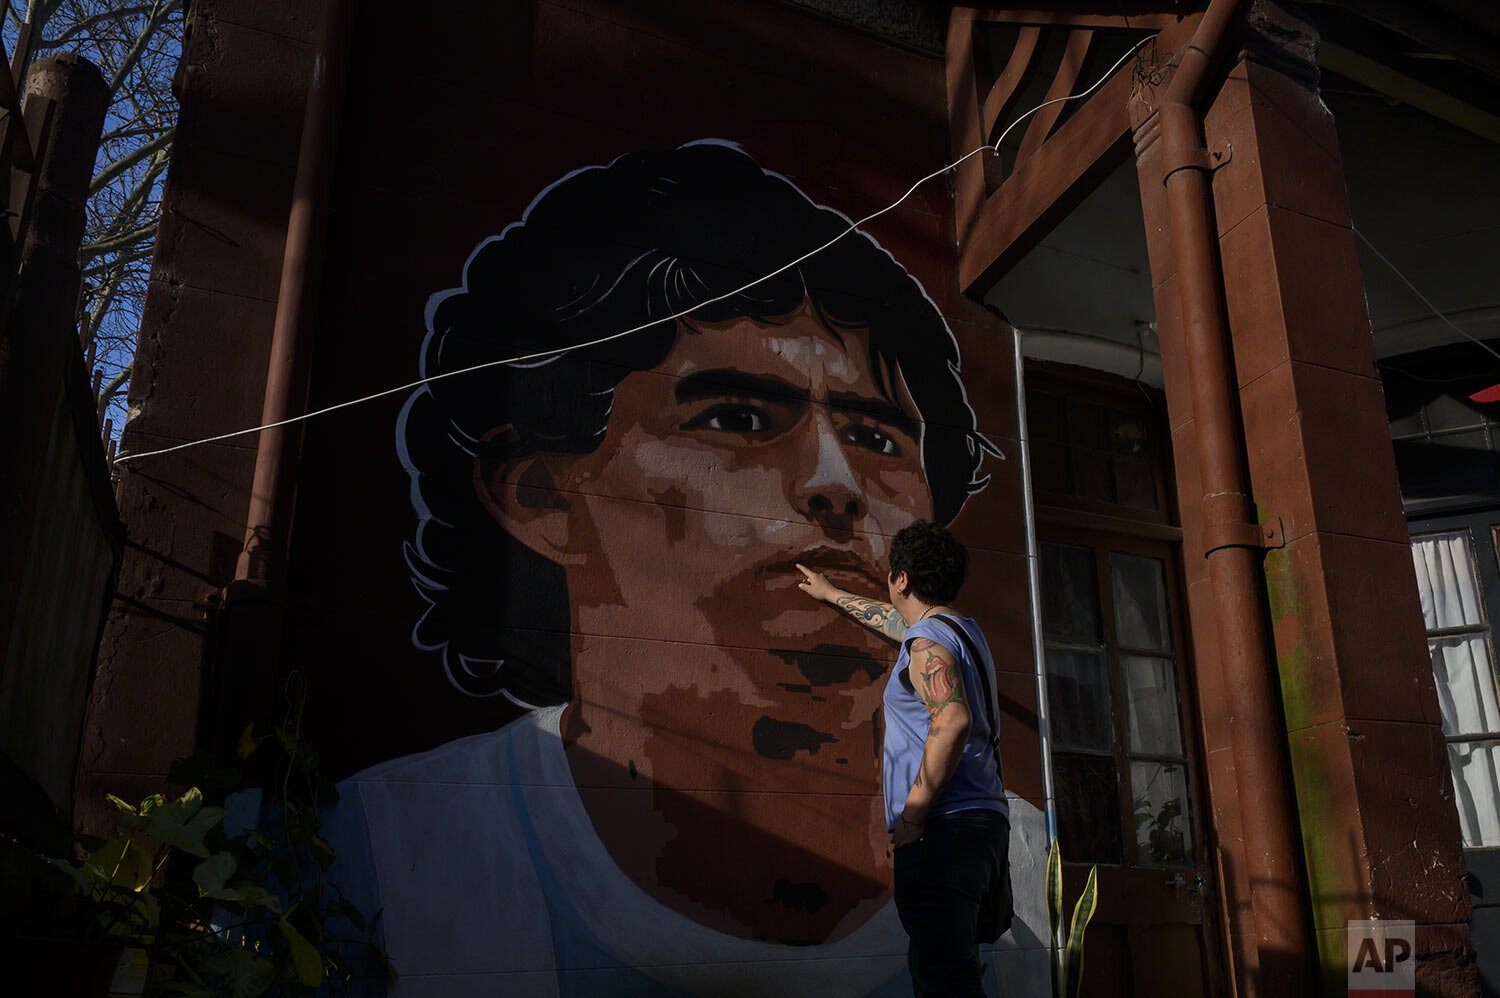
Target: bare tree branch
[[122, 241], [119, 166], [136, 44], [134, 55], [112, 387], [83, 24]]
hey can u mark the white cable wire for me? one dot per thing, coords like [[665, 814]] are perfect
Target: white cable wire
[[995, 147], [1435, 310]]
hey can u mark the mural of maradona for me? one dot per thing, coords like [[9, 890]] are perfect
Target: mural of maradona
[[691, 803]]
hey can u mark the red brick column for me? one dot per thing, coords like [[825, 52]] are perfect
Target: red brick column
[[1379, 829]]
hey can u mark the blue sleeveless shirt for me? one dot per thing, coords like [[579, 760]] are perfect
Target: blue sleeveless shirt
[[976, 783]]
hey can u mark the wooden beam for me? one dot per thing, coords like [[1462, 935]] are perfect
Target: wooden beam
[[1362, 69], [963, 122], [1009, 81], [1075, 52], [1063, 171]]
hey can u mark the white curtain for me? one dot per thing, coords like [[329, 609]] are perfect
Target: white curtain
[[1465, 676]]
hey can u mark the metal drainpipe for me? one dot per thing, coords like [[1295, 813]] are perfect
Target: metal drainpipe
[[245, 642], [264, 553], [1232, 540], [1034, 592], [285, 383]]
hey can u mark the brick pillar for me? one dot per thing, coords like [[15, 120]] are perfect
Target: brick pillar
[[1379, 829]]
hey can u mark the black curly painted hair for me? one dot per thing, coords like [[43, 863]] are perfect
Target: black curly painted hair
[[933, 560], [607, 249]]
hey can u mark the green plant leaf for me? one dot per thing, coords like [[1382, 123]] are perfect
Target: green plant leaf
[[345, 909], [129, 817], [1082, 912], [248, 975], [213, 873], [248, 894], [245, 747], [305, 958], [183, 823], [120, 862]]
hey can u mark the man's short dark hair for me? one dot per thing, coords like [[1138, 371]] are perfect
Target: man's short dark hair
[[933, 560], [603, 250]]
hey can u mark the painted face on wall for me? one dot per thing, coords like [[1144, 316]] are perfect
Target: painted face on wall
[[748, 713]]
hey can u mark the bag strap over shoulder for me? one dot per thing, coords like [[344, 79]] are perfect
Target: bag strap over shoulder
[[983, 669]]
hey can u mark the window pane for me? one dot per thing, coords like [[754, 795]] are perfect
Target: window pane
[[1477, 791], [1088, 426], [1050, 468], [1465, 683], [1140, 602], [1163, 830], [1088, 809], [1135, 483], [1093, 475], [1070, 595], [1151, 705], [1129, 434], [1046, 416], [1078, 699], [1446, 581]]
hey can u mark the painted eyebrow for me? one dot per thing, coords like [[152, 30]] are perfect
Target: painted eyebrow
[[726, 381], [881, 409]]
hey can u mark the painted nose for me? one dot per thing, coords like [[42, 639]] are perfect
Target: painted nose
[[830, 494]]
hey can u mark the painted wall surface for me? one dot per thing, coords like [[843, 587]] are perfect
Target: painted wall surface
[[591, 737]]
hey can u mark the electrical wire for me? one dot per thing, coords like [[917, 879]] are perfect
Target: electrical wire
[[560, 351], [1435, 310]]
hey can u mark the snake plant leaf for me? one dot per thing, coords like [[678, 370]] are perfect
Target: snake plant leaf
[[1054, 889], [1082, 912]]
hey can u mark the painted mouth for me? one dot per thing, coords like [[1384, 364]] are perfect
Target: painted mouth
[[826, 665], [844, 569]]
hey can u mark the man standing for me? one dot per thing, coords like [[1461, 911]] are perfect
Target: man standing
[[944, 797]]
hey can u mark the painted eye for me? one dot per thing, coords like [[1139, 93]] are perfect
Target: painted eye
[[731, 419], [872, 439]]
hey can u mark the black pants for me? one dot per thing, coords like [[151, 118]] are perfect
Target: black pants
[[948, 882]]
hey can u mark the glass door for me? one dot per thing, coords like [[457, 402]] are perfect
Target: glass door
[[1123, 758]]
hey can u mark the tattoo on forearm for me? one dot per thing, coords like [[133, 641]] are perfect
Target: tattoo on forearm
[[940, 683], [874, 614]]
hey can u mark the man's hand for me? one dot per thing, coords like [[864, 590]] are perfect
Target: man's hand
[[816, 586]]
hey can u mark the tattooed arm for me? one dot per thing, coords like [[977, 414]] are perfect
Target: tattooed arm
[[872, 613], [935, 675]]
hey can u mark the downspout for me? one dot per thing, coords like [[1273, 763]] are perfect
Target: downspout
[[245, 645], [1034, 593], [263, 556], [1232, 540]]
